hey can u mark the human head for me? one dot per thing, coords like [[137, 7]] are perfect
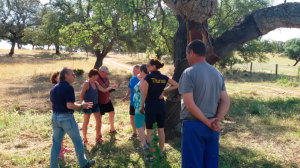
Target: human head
[[54, 78], [136, 70], [143, 69], [93, 74], [103, 71], [67, 75], [195, 51], [154, 64]]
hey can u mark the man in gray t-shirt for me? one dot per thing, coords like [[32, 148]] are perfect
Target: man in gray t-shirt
[[204, 103]]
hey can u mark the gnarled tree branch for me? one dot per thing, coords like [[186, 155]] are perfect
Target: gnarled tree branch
[[256, 24]]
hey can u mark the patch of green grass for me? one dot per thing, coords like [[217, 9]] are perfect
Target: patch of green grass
[[244, 106]]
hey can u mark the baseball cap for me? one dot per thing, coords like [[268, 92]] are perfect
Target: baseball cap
[[104, 68]]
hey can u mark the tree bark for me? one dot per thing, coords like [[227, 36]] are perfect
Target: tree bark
[[250, 27], [296, 62], [57, 52], [12, 49], [99, 60], [173, 105]]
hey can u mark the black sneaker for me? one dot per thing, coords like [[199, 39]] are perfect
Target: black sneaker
[[90, 164]]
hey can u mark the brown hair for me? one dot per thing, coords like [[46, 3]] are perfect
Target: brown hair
[[53, 77], [93, 72], [157, 63]]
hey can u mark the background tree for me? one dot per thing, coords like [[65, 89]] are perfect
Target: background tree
[[292, 49], [15, 17]]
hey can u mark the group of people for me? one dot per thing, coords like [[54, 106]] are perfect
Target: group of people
[[204, 103]]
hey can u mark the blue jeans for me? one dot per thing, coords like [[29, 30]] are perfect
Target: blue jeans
[[199, 146], [62, 124]]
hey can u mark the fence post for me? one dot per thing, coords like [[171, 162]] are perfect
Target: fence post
[[276, 69], [251, 68]]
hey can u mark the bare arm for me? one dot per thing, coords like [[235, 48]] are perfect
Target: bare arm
[[223, 105], [83, 90], [78, 106], [173, 85], [189, 102], [100, 88], [144, 86]]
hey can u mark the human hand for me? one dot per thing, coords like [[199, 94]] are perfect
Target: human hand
[[161, 96], [215, 124], [116, 86], [88, 105], [142, 111], [125, 98]]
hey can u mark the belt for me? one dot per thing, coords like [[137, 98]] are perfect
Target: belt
[[68, 112]]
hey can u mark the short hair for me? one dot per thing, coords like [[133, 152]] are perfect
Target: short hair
[[137, 66], [53, 77], [63, 72], [157, 63], [93, 72], [198, 47], [143, 68]]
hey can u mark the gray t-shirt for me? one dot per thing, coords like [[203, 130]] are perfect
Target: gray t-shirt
[[206, 84]]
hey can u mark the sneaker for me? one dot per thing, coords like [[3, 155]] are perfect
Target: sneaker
[[133, 136], [61, 155], [146, 146], [90, 164]]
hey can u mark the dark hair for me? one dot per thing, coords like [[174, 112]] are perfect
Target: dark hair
[[53, 77], [143, 68], [137, 66], [63, 72], [157, 63], [198, 47], [93, 72]]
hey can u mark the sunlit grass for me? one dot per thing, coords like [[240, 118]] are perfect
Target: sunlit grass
[[261, 130]]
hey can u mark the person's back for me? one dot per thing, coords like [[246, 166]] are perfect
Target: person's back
[[60, 94], [204, 103], [206, 84]]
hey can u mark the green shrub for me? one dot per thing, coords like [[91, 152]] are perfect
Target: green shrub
[[78, 72]]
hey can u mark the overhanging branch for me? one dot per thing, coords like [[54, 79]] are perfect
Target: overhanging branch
[[256, 24]]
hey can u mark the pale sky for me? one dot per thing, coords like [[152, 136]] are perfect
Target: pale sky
[[280, 34]]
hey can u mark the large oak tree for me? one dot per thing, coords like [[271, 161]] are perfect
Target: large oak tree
[[193, 16]]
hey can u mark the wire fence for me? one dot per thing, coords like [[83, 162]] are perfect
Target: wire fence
[[277, 69]]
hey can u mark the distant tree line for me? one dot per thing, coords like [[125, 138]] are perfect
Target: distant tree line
[[126, 26]]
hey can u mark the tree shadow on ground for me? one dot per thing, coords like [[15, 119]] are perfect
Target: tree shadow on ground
[[111, 154], [242, 157]]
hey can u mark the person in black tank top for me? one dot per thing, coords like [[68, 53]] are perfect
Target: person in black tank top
[[89, 93], [152, 96]]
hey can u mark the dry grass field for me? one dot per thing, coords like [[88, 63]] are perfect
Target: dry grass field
[[261, 130]]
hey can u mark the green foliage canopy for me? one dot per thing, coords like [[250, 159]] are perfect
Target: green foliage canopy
[[292, 49]]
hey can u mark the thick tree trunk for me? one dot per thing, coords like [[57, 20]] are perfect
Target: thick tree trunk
[[173, 105], [12, 49], [99, 60], [57, 52], [296, 62]]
